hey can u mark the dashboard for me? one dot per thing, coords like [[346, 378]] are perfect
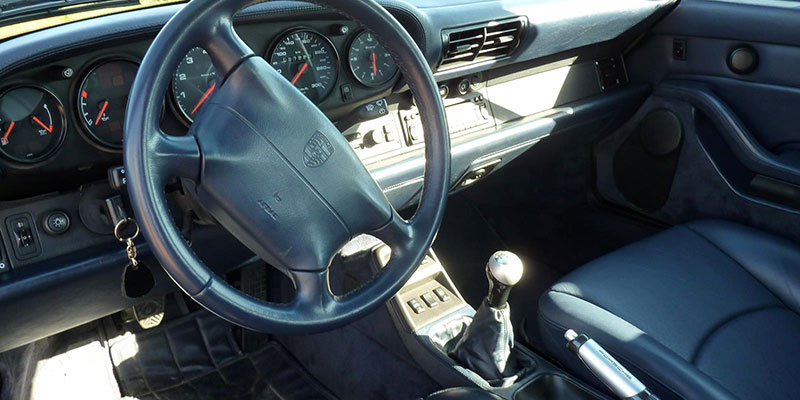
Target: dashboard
[[510, 73], [65, 118]]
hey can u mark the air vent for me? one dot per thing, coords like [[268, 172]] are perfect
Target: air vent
[[479, 43]]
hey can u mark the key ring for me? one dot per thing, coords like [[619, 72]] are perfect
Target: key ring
[[122, 223]]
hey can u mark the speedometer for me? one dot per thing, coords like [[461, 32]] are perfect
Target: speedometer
[[308, 60]]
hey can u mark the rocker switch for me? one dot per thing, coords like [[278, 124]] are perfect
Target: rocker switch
[[441, 294], [429, 300], [416, 306]]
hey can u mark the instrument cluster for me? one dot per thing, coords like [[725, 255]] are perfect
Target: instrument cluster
[[34, 120]]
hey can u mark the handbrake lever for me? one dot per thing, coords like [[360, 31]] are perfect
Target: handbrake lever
[[606, 368]]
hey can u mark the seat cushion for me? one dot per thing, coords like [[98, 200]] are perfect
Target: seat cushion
[[708, 309]]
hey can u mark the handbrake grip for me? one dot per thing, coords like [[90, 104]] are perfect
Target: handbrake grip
[[607, 369]]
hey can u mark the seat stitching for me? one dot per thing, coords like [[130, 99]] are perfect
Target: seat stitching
[[726, 321], [614, 353]]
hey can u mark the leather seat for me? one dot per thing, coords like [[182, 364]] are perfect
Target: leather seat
[[705, 310], [463, 393]]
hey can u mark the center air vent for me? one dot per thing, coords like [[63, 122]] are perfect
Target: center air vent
[[483, 42]]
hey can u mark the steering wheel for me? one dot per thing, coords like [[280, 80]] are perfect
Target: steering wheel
[[276, 173]]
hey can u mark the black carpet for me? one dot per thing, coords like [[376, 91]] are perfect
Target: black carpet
[[541, 207], [365, 360]]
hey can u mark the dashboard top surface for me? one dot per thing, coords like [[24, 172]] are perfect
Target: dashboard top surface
[[41, 59]]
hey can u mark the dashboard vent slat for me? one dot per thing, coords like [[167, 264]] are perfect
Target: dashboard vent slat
[[484, 42]]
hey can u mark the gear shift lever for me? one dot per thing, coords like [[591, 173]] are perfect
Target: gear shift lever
[[504, 270], [486, 344]]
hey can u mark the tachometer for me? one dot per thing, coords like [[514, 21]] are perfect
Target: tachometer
[[193, 83], [32, 124], [369, 61], [102, 99], [308, 60]]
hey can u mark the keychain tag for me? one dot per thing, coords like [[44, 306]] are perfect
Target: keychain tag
[[137, 279]]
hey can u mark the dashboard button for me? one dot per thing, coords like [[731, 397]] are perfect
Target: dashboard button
[[429, 300], [347, 92], [463, 87], [416, 306], [56, 223], [441, 294], [444, 90]]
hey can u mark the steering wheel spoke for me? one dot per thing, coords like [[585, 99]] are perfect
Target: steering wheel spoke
[[226, 49], [398, 233], [174, 156], [312, 291]]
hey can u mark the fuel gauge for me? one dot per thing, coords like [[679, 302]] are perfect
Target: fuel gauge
[[32, 124]]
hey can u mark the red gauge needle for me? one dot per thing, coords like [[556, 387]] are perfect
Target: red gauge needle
[[8, 132], [47, 128], [205, 97], [374, 64], [102, 111], [302, 69]]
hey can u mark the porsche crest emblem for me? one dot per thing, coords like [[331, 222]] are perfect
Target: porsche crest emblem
[[317, 151]]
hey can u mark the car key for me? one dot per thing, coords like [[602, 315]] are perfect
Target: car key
[[130, 246]]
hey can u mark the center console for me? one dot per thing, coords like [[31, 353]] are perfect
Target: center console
[[431, 316]]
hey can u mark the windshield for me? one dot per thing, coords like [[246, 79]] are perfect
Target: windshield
[[18, 17]]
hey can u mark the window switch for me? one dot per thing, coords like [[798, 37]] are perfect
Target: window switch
[[416, 306], [429, 300], [441, 294]]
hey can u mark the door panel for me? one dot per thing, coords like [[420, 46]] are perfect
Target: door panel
[[739, 154]]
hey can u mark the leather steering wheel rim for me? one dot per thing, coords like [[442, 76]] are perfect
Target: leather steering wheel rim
[[264, 153]]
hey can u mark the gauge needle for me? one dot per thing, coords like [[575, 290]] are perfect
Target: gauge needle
[[102, 111], [47, 128], [374, 64], [8, 132], [302, 69], [205, 97]]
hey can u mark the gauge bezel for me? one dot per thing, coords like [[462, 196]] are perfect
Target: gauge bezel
[[389, 81], [91, 67], [337, 63], [61, 136], [173, 101]]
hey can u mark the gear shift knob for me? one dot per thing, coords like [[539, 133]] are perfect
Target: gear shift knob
[[504, 270]]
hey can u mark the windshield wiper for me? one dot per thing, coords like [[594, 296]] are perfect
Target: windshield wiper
[[14, 11]]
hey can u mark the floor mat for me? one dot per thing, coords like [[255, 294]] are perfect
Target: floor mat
[[197, 358]]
